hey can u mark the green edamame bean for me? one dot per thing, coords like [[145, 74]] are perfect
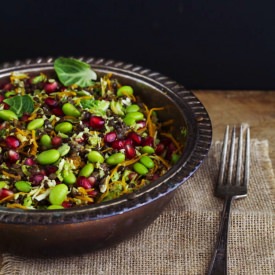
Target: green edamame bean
[[58, 194], [125, 91], [7, 115], [147, 162], [27, 201], [135, 115], [48, 157], [95, 156], [115, 158], [10, 93], [23, 186], [129, 121], [35, 124], [87, 170], [70, 110], [64, 127], [140, 168], [69, 177], [132, 108], [55, 207], [147, 150], [131, 118], [46, 141], [3, 184], [175, 158]]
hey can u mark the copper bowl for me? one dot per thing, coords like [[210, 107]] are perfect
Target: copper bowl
[[88, 228]]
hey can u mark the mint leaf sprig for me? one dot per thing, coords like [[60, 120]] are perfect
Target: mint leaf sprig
[[20, 104], [72, 71]]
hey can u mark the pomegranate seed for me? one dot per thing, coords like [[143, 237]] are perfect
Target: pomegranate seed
[[128, 141], [86, 123], [160, 149], [110, 137], [97, 122], [56, 141], [50, 87], [29, 162], [130, 151], [118, 144], [13, 156], [51, 102], [92, 193], [8, 87], [166, 141], [83, 182], [51, 169], [25, 117], [6, 106], [154, 177], [42, 172], [12, 142], [136, 138], [36, 179], [4, 192], [67, 204], [148, 141], [170, 150], [57, 111]]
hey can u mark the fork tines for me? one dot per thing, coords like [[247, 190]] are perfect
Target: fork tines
[[232, 163]]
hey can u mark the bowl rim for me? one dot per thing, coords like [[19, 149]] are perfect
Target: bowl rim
[[198, 144]]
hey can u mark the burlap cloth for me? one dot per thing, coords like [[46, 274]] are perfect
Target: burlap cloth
[[182, 239]]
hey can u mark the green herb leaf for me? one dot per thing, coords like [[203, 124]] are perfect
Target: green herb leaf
[[97, 107], [72, 71], [20, 104]]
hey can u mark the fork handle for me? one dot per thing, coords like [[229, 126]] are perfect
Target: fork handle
[[218, 264]]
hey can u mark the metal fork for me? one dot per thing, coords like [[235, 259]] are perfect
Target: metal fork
[[232, 184]]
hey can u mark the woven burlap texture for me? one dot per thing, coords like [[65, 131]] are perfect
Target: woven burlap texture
[[182, 239]]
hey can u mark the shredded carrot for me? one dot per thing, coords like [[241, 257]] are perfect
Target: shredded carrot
[[109, 84], [77, 161], [85, 198], [66, 93], [166, 164], [22, 132], [53, 133], [78, 100], [16, 205], [167, 122], [72, 118], [124, 163], [53, 122], [32, 116], [151, 126], [15, 76], [9, 175], [7, 198], [142, 183], [172, 139], [34, 144], [22, 145]]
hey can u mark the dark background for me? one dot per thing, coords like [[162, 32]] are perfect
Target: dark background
[[201, 44]]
